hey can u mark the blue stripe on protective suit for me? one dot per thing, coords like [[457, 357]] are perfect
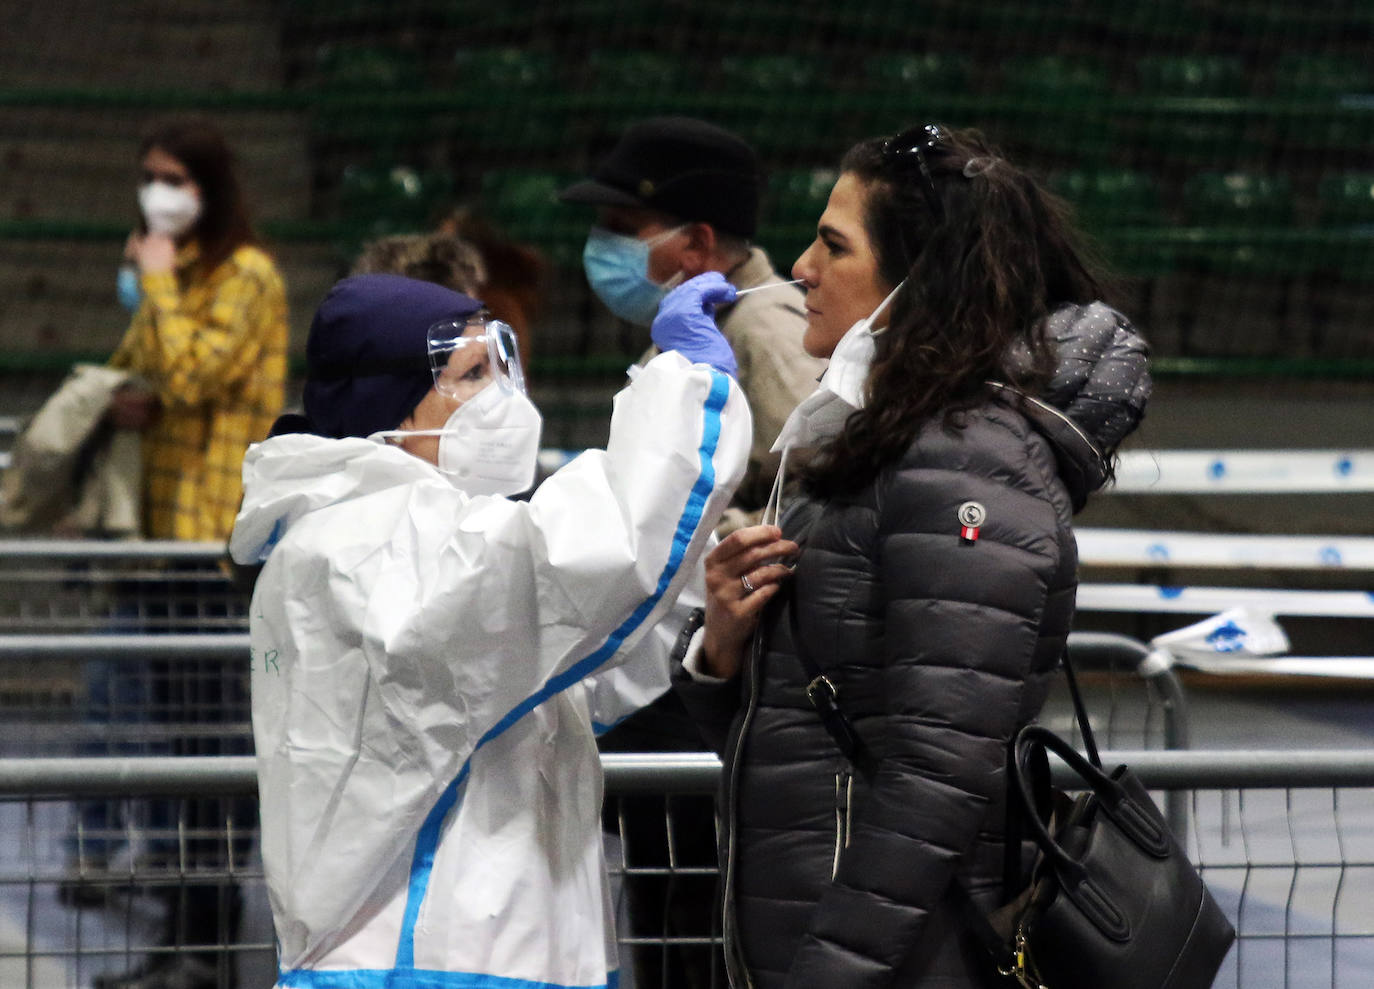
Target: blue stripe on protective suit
[[405, 975], [371, 978]]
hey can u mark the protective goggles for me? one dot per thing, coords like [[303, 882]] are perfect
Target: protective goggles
[[912, 146], [466, 355]]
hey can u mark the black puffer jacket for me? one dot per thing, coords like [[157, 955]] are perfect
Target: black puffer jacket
[[941, 648]]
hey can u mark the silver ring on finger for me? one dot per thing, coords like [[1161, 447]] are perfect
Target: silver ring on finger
[[748, 587]]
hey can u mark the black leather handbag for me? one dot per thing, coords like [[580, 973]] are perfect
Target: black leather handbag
[[1113, 901]]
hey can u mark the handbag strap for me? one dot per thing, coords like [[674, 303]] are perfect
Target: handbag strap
[[1041, 788], [1080, 711], [825, 698], [1036, 767]]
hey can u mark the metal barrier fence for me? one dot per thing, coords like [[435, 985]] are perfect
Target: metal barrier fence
[[168, 686], [115, 847], [1275, 837], [123, 866], [1285, 840], [125, 694], [76, 585]]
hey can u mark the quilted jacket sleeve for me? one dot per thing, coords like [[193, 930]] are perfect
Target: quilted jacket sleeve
[[959, 631], [712, 706]]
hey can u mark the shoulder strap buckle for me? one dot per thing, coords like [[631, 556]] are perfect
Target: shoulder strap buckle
[[822, 694]]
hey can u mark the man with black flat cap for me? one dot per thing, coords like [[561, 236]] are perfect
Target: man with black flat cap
[[677, 197]]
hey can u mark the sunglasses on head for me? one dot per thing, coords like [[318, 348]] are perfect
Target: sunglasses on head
[[912, 145]]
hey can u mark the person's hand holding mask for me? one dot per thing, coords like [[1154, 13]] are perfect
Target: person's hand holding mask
[[686, 322]]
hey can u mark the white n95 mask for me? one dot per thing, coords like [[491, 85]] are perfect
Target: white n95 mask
[[490, 444], [168, 209], [822, 414]]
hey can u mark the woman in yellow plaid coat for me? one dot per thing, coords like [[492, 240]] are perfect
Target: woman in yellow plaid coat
[[208, 336]]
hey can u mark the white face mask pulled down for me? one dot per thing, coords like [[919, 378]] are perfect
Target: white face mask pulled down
[[822, 414], [489, 445]]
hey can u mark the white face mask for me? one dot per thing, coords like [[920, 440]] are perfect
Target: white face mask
[[168, 209], [489, 445], [822, 414]]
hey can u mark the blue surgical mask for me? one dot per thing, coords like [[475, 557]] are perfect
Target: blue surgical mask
[[126, 287], [617, 269]]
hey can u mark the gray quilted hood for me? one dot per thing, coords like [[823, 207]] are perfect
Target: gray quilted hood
[[1097, 395]]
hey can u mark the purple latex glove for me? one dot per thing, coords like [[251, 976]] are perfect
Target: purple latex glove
[[686, 322]]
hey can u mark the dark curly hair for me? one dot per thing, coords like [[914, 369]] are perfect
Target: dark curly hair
[[986, 259]]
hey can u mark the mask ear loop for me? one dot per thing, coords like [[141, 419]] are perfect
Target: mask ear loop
[[680, 276], [772, 509], [882, 306]]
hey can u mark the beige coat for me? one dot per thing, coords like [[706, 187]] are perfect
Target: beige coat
[[70, 473], [765, 331]]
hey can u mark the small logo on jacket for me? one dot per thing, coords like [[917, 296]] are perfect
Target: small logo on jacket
[[972, 515]]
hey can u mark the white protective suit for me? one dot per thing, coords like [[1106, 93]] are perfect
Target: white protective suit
[[422, 701]]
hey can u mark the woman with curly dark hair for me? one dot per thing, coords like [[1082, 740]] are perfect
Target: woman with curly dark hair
[[974, 397]]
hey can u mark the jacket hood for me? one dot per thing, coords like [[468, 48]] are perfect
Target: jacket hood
[[1096, 396], [287, 477]]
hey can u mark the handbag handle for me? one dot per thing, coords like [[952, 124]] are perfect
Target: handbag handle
[[1135, 822], [1139, 825]]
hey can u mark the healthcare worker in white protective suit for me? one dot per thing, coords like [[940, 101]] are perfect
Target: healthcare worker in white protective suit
[[423, 648]]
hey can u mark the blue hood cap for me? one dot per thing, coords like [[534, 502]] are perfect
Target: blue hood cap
[[366, 361]]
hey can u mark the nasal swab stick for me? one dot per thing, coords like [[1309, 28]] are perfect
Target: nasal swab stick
[[760, 288]]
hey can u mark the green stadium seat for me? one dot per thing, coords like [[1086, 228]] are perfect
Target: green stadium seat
[[1346, 210], [1115, 195], [1320, 86], [630, 85], [795, 199], [363, 68], [893, 86], [637, 71], [762, 97], [524, 203], [798, 195], [323, 18], [1307, 74], [1239, 209], [793, 75], [1217, 198], [1192, 108], [1346, 198], [1054, 105], [375, 200], [1017, 18], [495, 70], [481, 20], [1191, 75], [1121, 209], [607, 20], [913, 75], [1311, 23], [1108, 200], [342, 74], [1158, 20], [1244, 266], [1043, 76], [502, 99]]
